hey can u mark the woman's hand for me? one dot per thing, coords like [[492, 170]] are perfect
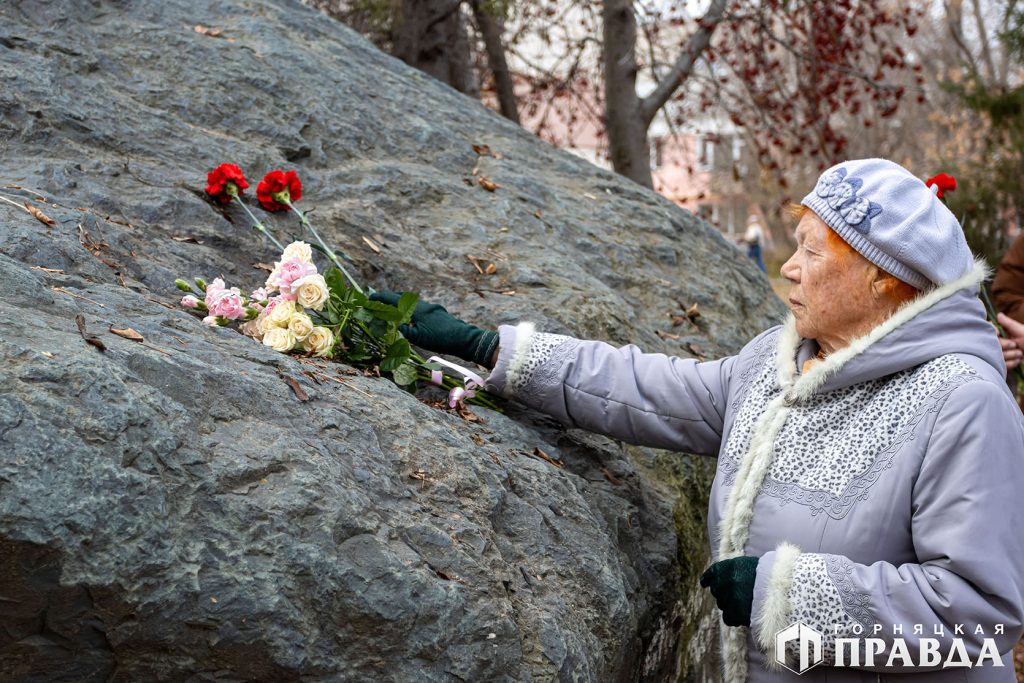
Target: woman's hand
[[435, 329], [1013, 342], [732, 583]]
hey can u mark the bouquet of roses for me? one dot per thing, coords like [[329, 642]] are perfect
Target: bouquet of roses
[[300, 310]]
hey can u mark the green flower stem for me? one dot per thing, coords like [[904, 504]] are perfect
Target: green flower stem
[[448, 382], [257, 225], [330, 252]]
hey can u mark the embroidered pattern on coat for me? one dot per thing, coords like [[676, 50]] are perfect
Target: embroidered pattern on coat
[[840, 570], [818, 600], [836, 445], [753, 397], [543, 363]]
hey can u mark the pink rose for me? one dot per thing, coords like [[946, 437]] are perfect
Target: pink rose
[[189, 301], [211, 320], [213, 288], [227, 304], [288, 272], [271, 304], [257, 298]]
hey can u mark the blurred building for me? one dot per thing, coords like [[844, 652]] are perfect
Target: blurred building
[[699, 166]]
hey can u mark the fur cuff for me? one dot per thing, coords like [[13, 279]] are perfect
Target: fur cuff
[[775, 611], [524, 339]]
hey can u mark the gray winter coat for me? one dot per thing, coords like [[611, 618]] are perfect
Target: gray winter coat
[[882, 489]]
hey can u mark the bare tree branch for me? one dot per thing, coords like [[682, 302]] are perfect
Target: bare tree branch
[[954, 21], [683, 66], [986, 50], [490, 29]]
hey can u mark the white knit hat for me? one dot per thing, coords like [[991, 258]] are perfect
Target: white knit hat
[[892, 219]]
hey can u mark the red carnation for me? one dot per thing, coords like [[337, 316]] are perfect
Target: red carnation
[[277, 189], [224, 182], [945, 183]]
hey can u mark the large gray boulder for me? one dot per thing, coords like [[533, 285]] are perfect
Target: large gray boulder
[[171, 511]]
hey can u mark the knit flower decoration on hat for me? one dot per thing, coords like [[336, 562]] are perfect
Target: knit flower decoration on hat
[[941, 184], [840, 193]]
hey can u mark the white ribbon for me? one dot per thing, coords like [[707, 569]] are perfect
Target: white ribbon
[[470, 379]]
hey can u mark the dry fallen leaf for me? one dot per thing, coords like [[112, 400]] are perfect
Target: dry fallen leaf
[[692, 312], [465, 413], [296, 388], [40, 216], [90, 338], [473, 260], [212, 32], [371, 245], [667, 335], [544, 456], [491, 269], [677, 320], [611, 477], [48, 270], [419, 474], [186, 238], [64, 291], [482, 150], [127, 333], [264, 266], [488, 184]]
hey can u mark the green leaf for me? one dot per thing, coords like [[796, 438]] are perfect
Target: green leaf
[[384, 311], [335, 281], [396, 355], [405, 374], [406, 306]]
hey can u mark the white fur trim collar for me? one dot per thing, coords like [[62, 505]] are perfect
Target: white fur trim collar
[[804, 386]]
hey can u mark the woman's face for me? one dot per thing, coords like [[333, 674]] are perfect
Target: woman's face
[[831, 292]]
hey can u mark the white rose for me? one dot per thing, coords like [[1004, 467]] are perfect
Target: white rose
[[300, 325], [311, 291], [280, 339], [298, 250], [282, 313], [272, 278], [319, 341], [253, 328]]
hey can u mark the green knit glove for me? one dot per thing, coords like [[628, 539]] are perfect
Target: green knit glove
[[435, 329], [732, 583]]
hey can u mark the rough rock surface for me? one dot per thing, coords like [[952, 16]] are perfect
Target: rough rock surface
[[170, 511]]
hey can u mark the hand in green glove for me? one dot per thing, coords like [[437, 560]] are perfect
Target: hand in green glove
[[436, 329], [732, 583]]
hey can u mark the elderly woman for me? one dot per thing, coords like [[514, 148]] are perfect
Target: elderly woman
[[870, 457]]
